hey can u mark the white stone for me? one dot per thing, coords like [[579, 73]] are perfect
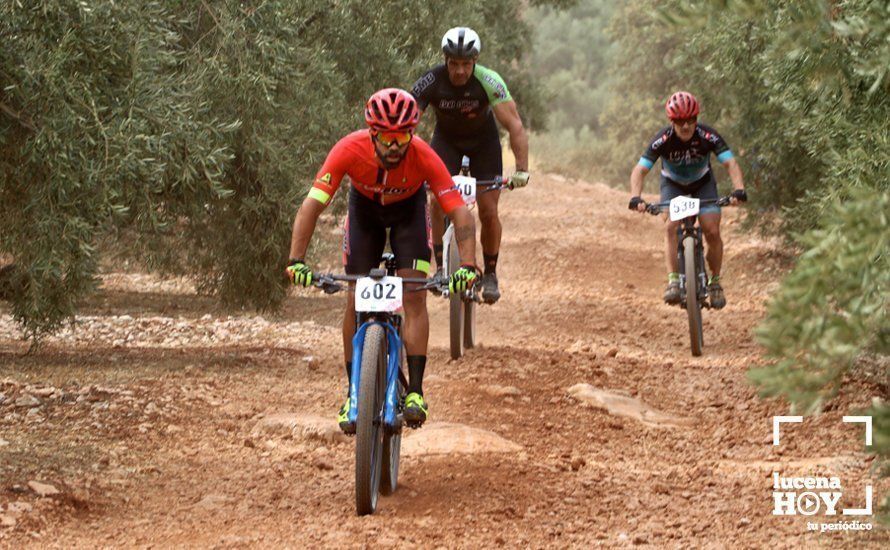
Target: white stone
[[627, 407], [27, 401], [213, 502], [440, 438], [42, 489], [299, 425], [19, 507], [501, 391]]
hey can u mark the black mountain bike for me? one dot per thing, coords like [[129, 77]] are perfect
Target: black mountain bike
[[690, 251]]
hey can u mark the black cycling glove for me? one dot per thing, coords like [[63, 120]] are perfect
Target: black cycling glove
[[634, 202], [740, 195]]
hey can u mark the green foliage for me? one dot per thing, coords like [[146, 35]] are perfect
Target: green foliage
[[189, 130], [880, 415], [800, 91], [795, 85], [571, 60], [95, 115], [833, 305]]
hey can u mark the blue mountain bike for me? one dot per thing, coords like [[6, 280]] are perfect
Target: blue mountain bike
[[378, 383]]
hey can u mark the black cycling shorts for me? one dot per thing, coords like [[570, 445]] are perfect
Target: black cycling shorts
[[485, 154], [364, 238], [704, 188]]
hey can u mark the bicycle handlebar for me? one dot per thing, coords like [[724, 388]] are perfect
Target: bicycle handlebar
[[328, 282], [655, 208], [495, 184]]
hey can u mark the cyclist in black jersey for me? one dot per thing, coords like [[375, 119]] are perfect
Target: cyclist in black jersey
[[467, 98], [685, 147]]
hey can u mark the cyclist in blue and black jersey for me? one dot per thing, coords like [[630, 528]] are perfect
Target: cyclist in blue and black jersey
[[467, 98], [685, 147]]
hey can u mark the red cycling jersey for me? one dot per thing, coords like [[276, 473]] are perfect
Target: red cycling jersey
[[354, 156]]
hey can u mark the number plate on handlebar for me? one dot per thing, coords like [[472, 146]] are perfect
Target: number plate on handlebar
[[378, 295], [466, 186], [683, 207]]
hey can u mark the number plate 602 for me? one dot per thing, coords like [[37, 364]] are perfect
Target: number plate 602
[[378, 295]]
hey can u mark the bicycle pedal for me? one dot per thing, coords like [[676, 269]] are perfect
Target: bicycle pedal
[[348, 429], [396, 429]]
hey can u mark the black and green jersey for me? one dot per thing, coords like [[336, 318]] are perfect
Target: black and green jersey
[[462, 112]]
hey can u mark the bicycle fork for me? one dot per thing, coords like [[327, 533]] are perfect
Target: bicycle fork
[[702, 286], [392, 421]]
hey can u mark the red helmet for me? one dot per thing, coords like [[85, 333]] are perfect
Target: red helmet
[[392, 110], [681, 105]]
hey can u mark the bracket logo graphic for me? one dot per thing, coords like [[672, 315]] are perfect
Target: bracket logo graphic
[[809, 496]]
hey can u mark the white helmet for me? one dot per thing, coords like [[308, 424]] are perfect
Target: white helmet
[[462, 42]]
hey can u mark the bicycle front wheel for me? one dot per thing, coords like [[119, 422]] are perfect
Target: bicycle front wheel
[[693, 306], [456, 317], [369, 422]]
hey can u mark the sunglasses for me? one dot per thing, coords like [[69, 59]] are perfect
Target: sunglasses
[[388, 139], [685, 121]]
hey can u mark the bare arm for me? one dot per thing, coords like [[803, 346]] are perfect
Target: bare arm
[[465, 233], [304, 226], [508, 116], [735, 173], [636, 183]]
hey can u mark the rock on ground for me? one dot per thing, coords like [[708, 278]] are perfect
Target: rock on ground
[[300, 425], [42, 489], [627, 407], [449, 438]]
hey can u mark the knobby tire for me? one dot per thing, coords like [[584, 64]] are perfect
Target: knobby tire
[[456, 318], [369, 422], [693, 307]]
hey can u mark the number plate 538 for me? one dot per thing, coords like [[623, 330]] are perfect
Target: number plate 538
[[683, 207], [378, 295]]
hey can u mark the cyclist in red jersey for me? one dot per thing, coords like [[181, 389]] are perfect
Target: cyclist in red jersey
[[388, 167]]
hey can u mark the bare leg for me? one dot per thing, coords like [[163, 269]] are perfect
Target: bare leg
[[349, 323], [417, 322], [710, 226], [670, 246], [490, 233]]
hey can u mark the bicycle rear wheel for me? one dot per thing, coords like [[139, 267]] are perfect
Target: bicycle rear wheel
[[469, 324], [456, 317], [693, 307], [369, 423]]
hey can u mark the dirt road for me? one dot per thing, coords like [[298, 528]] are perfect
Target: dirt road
[[162, 421]]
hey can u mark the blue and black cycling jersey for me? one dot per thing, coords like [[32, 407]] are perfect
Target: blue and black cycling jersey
[[685, 163]]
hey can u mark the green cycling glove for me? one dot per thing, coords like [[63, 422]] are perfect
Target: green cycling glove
[[462, 279], [299, 273], [519, 179]]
